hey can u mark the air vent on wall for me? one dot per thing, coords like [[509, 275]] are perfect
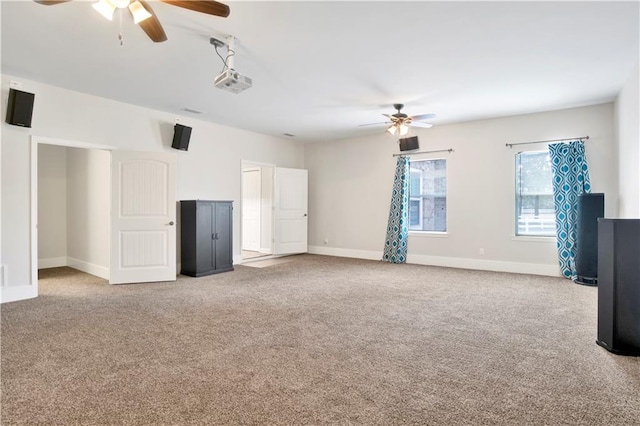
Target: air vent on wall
[[192, 111]]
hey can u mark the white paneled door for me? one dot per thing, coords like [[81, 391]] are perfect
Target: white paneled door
[[143, 217], [290, 211]]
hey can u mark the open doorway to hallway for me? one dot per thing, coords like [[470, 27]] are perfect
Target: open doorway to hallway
[[257, 210]]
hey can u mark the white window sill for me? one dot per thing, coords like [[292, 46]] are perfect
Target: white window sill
[[428, 234], [528, 238]]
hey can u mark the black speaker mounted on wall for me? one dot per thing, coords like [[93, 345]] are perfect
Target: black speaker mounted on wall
[[20, 108], [181, 136], [409, 144]]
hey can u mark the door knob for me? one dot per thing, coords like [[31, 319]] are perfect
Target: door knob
[[170, 223], [304, 215]]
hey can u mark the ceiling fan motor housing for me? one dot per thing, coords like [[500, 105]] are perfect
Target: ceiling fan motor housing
[[399, 115]]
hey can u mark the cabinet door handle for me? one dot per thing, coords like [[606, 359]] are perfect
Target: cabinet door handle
[[214, 236]]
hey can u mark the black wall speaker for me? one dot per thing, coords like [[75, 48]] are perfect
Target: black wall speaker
[[590, 208], [20, 108], [409, 144], [181, 136]]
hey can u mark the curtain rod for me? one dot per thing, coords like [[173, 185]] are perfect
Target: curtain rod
[[581, 139], [423, 152]]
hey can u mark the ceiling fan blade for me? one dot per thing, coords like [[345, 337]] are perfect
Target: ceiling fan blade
[[418, 124], [50, 2], [151, 26], [423, 117], [375, 124], [210, 7]]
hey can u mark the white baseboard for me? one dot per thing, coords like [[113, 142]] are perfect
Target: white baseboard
[[89, 268], [340, 252], [486, 265], [450, 262], [52, 262]]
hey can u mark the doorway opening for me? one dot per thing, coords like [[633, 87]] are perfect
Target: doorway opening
[[273, 211], [257, 211], [71, 206]]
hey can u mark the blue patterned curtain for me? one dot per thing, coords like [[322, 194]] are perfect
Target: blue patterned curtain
[[395, 246], [570, 179]]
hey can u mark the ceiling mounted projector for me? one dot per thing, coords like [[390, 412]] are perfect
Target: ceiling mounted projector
[[229, 79], [232, 81]]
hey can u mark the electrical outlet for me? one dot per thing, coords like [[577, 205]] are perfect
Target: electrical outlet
[[481, 252]]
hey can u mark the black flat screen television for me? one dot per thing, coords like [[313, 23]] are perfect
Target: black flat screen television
[[409, 144]]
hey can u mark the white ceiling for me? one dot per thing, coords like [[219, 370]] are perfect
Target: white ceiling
[[320, 69]]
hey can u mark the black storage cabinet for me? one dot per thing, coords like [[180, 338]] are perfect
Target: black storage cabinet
[[206, 240], [619, 285]]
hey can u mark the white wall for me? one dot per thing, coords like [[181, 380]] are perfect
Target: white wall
[[16, 204], [52, 206], [350, 189], [627, 112], [211, 169], [88, 210]]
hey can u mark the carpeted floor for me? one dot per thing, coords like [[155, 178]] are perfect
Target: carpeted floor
[[318, 340]]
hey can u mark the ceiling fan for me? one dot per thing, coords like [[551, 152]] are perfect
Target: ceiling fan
[[144, 16], [400, 122]]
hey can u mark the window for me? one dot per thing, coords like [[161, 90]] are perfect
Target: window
[[428, 196], [535, 214]]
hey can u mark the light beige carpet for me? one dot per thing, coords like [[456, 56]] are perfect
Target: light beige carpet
[[318, 340], [268, 262], [247, 254]]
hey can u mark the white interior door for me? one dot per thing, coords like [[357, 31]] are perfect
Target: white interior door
[[290, 211], [143, 215], [251, 201]]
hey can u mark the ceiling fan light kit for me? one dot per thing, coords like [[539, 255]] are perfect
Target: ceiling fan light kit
[[402, 129], [139, 12], [107, 8]]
